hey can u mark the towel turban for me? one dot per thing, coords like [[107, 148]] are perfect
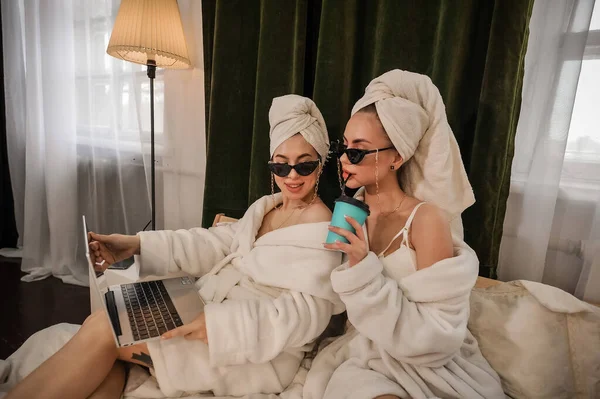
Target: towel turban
[[413, 115], [293, 114]]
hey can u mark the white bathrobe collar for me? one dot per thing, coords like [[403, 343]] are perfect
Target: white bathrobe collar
[[294, 235]]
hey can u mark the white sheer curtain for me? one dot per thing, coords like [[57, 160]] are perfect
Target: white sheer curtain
[[552, 225], [185, 162], [79, 132]]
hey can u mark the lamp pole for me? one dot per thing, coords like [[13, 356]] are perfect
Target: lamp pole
[[134, 38], [151, 75]]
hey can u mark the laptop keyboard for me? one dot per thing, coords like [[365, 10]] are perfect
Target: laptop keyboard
[[150, 309]]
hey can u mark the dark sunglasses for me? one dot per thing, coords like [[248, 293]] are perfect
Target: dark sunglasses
[[284, 169], [355, 155]]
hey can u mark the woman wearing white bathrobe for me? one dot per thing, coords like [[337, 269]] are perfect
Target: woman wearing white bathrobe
[[408, 275], [268, 293]]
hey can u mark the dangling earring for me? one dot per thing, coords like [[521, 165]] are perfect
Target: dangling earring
[[273, 188], [316, 188]]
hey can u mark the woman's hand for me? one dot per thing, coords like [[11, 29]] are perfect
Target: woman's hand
[[107, 250], [357, 248], [194, 330]]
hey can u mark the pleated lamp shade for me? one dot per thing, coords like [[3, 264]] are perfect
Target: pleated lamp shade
[[149, 30]]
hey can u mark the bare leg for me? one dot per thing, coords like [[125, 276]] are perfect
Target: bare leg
[[138, 354], [81, 366], [113, 384]]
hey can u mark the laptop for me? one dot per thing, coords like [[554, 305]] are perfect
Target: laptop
[[143, 311]]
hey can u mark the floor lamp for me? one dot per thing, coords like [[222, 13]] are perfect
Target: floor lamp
[[149, 32]]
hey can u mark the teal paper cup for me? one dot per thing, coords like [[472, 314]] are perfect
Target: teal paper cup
[[347, 206]]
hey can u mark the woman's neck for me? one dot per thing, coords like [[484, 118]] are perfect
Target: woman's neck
[[390, 194], [296, 203]]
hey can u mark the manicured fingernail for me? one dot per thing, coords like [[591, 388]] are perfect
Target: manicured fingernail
[[346, 216]]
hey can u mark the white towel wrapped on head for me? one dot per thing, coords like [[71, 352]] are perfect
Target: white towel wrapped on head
[[293, 114], [413, 115]]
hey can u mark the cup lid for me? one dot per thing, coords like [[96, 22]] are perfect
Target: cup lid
[[353, 201]]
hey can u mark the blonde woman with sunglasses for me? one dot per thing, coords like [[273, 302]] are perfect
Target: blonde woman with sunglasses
[[408, 274], [265, 280]]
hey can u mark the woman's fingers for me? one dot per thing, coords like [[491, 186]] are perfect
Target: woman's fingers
[[356, 248], [352, 238], [194, 330], [97, 237], [100, 264], [96, 257], [339, 246], [179, 331], [196, 335], [359, 231]]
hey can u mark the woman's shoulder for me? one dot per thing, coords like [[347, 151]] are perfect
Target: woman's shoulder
[[428, 218], [430, 235], [315, 213]]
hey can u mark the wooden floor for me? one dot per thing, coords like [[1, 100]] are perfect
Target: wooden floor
[[29, 307]]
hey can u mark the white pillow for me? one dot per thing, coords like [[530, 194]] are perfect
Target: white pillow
[[543, 342]]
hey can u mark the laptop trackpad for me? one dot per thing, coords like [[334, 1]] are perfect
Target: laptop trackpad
[[185, 297]]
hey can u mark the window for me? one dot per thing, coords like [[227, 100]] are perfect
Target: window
[[581, 168], [113, 96]]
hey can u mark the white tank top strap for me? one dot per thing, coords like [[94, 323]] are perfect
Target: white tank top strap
[[410, 219], [391, 242], [405, 229]]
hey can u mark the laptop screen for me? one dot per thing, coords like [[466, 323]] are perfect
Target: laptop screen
[[98, 284]]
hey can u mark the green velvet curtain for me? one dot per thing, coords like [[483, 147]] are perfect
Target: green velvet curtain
[[329, 50]]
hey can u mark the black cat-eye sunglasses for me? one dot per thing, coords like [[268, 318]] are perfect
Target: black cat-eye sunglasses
[[355, 155], [302, 168]]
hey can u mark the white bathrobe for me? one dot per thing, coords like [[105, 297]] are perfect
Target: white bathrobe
[[266, 298], [409, 335]]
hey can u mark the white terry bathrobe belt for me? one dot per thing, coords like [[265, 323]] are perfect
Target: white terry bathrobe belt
[[213, 287]]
